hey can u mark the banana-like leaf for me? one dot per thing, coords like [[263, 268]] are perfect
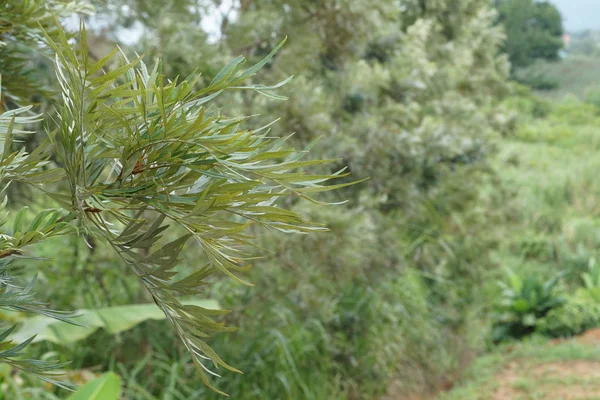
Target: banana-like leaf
[[105, 387], [112, 319]]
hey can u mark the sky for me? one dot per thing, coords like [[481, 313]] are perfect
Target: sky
[[579, 14]]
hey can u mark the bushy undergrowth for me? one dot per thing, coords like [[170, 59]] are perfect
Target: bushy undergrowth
[[402, 289], [523, 303], [530, 305], [558, 230], [537, 80], [576, 316], [318, 324], [593, 97]]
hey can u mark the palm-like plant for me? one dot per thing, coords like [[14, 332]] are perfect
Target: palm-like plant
[[524, 301], [139, 154]]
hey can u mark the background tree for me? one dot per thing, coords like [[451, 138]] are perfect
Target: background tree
[[406, 94], [533, 30]]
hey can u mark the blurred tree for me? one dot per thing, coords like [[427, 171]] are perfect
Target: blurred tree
[[402, 91], [534, 30], [25, 73], [407, 93]]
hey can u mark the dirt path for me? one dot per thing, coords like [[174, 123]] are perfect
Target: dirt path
[[554, 370], [566, 380]]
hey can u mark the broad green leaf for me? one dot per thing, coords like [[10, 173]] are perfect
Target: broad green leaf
[[521, 305], [112, 319], [105, 387]]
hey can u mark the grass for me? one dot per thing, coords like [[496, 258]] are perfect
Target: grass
[[551, 167], [512, 367], [575, 75]]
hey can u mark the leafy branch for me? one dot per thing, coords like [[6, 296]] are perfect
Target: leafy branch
[[141, 153], [26, 167]]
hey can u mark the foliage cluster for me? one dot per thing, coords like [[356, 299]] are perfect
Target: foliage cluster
[[559, 232], [536, 79], [550, 164], [135, 151], [529, 306], [533, 30], [524, 302], [406, 93]]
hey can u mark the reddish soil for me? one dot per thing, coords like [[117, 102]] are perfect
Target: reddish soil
[[565, 380], [561, 380], [590, 337]]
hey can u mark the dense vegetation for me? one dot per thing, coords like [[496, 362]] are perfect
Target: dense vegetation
[[533, 31], [445, 238], [550, 288], [534, 34]]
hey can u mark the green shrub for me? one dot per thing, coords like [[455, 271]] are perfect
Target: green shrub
[[593, 97], [591, 278], [537, 80], [573, 112], [578, 314], [548, 133], [533, 246], [524, 301]]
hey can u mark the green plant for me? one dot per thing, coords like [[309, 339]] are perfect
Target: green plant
[[318, 323], [26, 74], [537, 80], [591, 278], [532, 246], [533, 29], [579, 313], [523, 302], [105, 387], [545, 133], [21, 166], [574, 112], [113, 320], [136, 151], [525, 103], [593, 97]]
